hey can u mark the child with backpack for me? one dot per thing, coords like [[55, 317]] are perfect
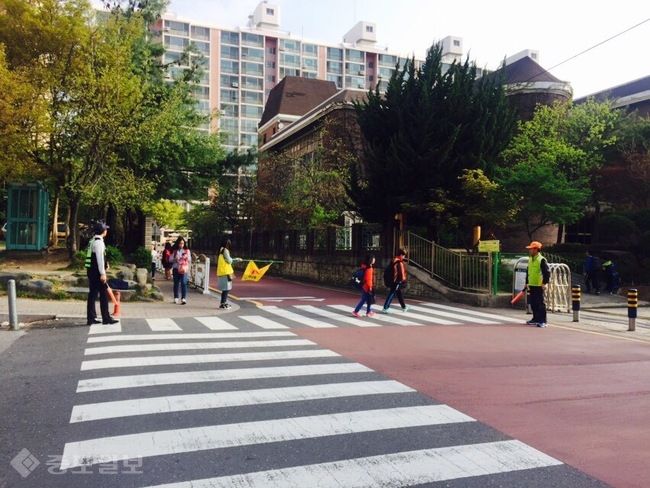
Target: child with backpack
[[395, 281], [367, 292]]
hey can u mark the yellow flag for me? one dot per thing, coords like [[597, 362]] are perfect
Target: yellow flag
[[253, 273]]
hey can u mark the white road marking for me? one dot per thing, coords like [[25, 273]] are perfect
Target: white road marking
[[196, 346], [198, 335], [281, 298], [284, 313], [338, 316], [263, 322], [205, 401], [176, 441], [158, 379], [215, 323], [135, 362], [160, 325], [453, 315], [105, 328], [379, 315], [399, 469], [500, 318]]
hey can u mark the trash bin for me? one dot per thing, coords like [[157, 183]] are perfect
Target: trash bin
[[519, 280]]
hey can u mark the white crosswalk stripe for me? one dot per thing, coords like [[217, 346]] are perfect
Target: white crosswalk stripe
[[314, 395], [263, 322], [148, 406], [215, 323], [162, 324], [106, 328], [194, 346], [392, 319], [402, 469], [186, 377], [287, 314]]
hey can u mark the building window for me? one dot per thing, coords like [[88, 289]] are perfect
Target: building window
[[335, 54], [255, 40], [178, 28], [176, 43], [254, 69], [230, 110], [252, 54], [291, 60], [230, 38], [335, 67], [251, 83], [229, 67], [290, 46], [310, 64], [270, 64], [202, 47], [310, 49], [271, 50], [230, 52], [252, 97], [270, 78], [369, 28], [202, 33], [354, 55], [270, 11], [248, 125], [456, 43]]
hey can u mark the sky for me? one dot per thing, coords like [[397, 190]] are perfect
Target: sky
[[491, 30]]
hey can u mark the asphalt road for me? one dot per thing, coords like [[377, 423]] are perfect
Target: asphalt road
[[299, 393]]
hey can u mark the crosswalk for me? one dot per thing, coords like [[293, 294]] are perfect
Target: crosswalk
[[318, 316], [268, 408]]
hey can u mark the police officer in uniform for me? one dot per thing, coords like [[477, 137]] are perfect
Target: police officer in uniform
[[96, 267]]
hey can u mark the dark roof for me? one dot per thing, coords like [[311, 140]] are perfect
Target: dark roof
[[296, 96], [343, 96], [625, 90], [525, 70]]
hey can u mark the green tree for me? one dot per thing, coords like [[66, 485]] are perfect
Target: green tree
[[308, 190], [118, 135], [167, 213], [551, 163], [430, 125]]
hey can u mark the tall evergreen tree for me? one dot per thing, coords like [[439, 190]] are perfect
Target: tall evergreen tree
[[433, 122]]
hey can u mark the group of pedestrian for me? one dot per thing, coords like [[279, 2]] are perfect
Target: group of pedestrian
[[592, 270], [396, 282]]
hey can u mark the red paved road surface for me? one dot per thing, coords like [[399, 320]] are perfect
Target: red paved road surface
[[580, 397]]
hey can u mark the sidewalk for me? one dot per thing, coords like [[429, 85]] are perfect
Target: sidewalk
[[30, 310]]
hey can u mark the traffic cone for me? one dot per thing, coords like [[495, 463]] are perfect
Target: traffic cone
[[116, 308]]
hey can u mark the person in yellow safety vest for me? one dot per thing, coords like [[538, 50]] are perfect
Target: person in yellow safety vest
[[537, 277]]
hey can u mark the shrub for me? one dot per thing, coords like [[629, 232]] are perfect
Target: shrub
[[113, 255], [141, 257], [78, 260]]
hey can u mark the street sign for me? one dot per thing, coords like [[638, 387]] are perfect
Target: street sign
[[488, 246]]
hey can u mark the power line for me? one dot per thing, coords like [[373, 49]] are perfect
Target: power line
[[590, 48]]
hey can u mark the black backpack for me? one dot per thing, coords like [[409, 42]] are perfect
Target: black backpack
[[357, 278], [389, 275]]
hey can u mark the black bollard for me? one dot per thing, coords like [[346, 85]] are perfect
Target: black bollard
[[575, 302], [632, 304]]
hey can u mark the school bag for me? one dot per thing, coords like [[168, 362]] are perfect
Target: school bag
[[389, 275], [357, 278]]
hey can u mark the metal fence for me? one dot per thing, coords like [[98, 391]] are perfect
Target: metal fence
[[458, 269]]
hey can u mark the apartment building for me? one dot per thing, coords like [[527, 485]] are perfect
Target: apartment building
[[243, 64]]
